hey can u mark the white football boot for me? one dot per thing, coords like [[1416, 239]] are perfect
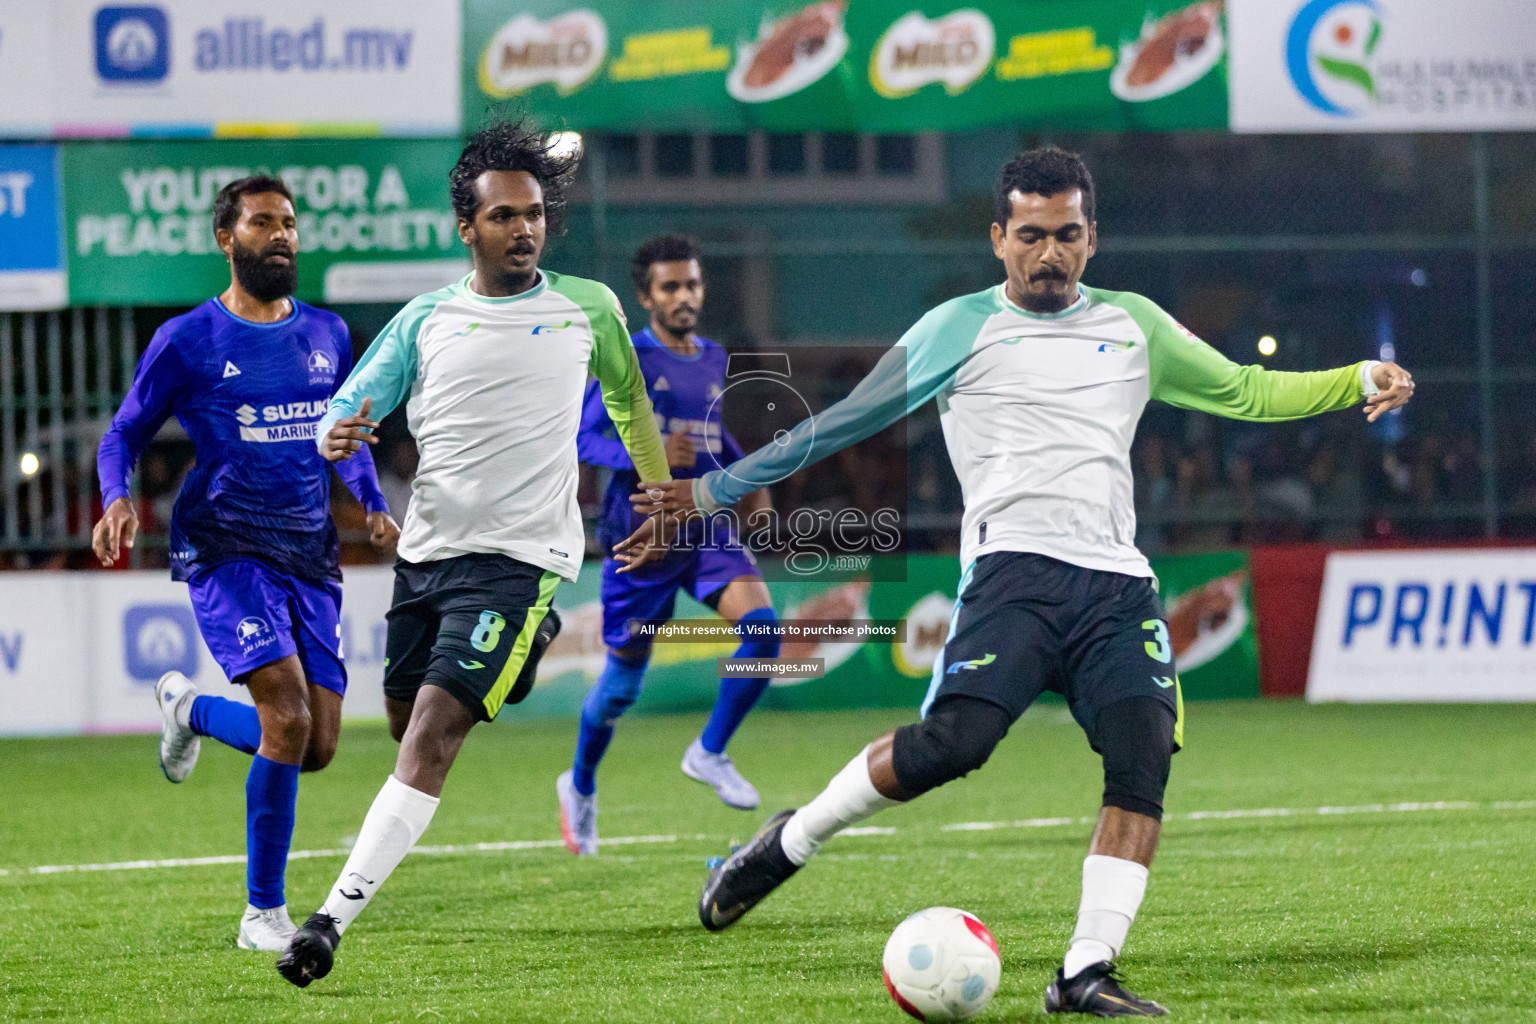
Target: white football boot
[[179, 745], [719, 772], [578, 817], [268, 931]]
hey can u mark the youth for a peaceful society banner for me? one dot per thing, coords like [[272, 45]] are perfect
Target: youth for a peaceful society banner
[[375, 223], [1426, 626], [833, 65]]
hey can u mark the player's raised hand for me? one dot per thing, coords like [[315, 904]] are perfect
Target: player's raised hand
[[680, 451], [349, 434], [383, 531], [674, 496], [647, 544], [115, 531], [1396, 386]]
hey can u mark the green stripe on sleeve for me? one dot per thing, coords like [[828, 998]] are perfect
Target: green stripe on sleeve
[[1188, 373], [617, 370]]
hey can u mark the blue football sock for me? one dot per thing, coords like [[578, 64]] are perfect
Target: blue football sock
[[228, 721], [738, 695], [271, 791], [616, 689]]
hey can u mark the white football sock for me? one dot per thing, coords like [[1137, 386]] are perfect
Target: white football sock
[[397, 819], [848, 798], [1112, 892]]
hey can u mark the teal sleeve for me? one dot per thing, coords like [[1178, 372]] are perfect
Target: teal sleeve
[[386, 371], [1188, 373], [915, 369]]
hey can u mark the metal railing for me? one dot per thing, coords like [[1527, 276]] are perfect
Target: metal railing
[[62, 375]]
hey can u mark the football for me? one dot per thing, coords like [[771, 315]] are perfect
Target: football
[[941, 964]]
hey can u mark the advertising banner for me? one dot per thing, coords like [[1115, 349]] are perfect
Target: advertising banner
[[31, 250], [1209, 623], [1426, 626], [1364, 65], [237, 67], [889, 66], [26, 72], [82, 651], [139, 625], [375, 223]]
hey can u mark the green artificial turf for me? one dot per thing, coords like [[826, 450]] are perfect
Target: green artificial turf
[[1365, 915]]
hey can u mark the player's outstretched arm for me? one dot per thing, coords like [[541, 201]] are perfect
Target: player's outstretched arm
[[1188, 373], [1394, 387], [914, 370]]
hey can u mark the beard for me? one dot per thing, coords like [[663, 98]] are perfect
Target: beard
[[267, 282], [680, 321]]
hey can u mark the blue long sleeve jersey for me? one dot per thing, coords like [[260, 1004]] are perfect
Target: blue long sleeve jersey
[[250, 396], [683, 392]]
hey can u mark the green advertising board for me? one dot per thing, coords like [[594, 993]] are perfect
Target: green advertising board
[[1209, 616], [375, 223], [875, 65]]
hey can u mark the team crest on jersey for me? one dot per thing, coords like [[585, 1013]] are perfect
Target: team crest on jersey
[[322, 368], [551, 328], [662, 385], [230, 369]]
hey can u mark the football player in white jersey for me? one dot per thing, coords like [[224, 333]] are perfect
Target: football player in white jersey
[[492, 370], [1040, 383]]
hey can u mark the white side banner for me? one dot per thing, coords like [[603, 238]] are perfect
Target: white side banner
[[1382, 65], [249, 67], [26, 78], [80, 652], [1426, 626]]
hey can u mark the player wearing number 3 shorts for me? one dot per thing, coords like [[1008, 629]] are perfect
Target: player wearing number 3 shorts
[[1040, 382]]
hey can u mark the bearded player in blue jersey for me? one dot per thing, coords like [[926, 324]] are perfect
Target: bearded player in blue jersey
[[684, 375], [249, 374]]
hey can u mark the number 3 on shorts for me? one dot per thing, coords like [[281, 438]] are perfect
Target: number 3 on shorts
[[488, 633], [1158, 647]]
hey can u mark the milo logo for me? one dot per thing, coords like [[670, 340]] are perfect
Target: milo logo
[[564, 51]]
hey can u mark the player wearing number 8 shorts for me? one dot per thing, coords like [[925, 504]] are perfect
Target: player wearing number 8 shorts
[[491, 371], [470, 624]]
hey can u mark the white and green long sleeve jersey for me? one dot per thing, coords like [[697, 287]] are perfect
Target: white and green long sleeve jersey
[[493, 391], [1039, 412]]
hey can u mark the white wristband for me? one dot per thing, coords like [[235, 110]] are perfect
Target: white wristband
[[702, 499], [1368, 382]]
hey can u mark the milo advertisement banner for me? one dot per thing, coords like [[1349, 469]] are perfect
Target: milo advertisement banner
[[375, 223], [1210, 625], [875, 65]]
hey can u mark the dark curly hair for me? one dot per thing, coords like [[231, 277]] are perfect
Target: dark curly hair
[[513, 146], [666, 249], [226, 205], [1046, 171]]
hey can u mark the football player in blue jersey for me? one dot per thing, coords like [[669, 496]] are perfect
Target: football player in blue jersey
[[684, 375], [249, 374]]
